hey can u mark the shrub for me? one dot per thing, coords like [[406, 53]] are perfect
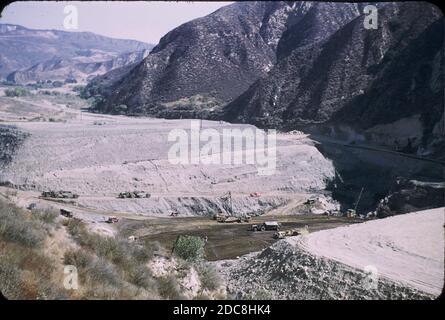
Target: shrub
[[168, 288], [16, 92], [140, 276], [189, 248], [57, 84], [78, 258], [208, 275], [75, 228], [121, 109], [16, 227], [47, 215], [10, 278]]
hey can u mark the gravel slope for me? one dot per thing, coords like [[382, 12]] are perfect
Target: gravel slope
[[406, 251], [99, 156]]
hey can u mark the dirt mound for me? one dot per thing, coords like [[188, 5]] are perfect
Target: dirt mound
[[394, 258]]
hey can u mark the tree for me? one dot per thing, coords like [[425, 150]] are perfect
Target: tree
[[189, 248]]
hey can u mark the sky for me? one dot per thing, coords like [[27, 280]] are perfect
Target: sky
[[146, 21]]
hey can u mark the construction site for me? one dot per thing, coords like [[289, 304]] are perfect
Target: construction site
[[116, 178]]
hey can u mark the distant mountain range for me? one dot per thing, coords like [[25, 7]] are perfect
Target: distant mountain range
[[28, 55], [210, 61], [288, 65]]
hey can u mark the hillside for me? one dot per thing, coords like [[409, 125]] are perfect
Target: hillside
[[22, 48], [205, 63], [379, 85]]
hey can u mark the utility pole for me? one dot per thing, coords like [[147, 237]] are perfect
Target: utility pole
[[358, 200]]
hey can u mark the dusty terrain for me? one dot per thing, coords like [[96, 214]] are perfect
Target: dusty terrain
[[99, 156], [227, 241], [63, 147], [404, 252]]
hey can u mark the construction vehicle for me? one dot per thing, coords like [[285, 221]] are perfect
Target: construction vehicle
[[351, 213], [266, 226], [112, 220], [59, 194], [255, 195], [133, 194], [66, 213], [230, 219], [291, 232]]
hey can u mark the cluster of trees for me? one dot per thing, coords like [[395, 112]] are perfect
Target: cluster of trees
[[16, 92]]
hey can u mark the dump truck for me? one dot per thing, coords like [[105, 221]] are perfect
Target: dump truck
[[266, 226], [291, 232], [66, 213], [59, 194], [133, 194], [112, 220], [231, 219]]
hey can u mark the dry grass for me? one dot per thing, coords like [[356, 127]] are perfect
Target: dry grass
[[25, 271], [108, 268], [115, 265]]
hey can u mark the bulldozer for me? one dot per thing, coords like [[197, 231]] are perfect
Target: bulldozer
[[291, 232]]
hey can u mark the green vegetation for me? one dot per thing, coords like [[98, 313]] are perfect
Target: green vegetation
[[17, 92], [189, 248]]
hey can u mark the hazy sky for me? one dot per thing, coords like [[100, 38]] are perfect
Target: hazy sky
[[140, 20]]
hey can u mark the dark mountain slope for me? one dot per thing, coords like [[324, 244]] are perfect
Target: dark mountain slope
[[217, 57], [408, 84], [358, 77]]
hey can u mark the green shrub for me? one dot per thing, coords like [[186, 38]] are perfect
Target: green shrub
[[16, 92], [189, 248]]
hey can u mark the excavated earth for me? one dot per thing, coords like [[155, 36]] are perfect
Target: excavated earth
[[100, 156], [399, 257]]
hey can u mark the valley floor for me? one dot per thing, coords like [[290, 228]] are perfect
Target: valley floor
[[99, 156]]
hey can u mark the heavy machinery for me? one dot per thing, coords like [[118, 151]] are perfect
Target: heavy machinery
[[230, 219], [133, 194], [291, 232], [59, 194], [266, 226], [66, 213], [112, 220]]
